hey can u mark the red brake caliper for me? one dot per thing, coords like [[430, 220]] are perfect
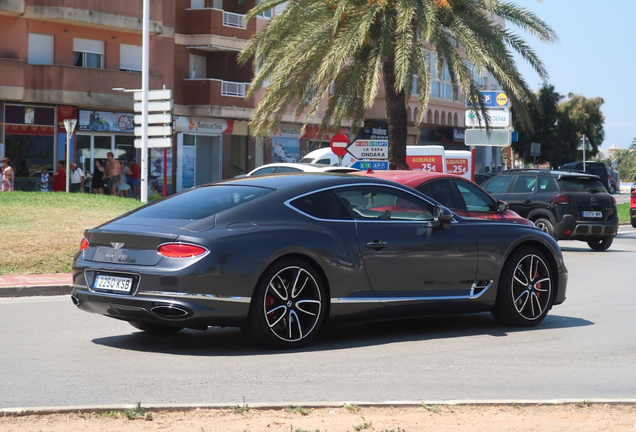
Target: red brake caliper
[[538, 294], [269, 302]]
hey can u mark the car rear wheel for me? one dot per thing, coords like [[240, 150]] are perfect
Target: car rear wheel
[[601, 244], [545, 225], [288, 305], [155, 328], [633, 222], [612, 189], [526, 286]]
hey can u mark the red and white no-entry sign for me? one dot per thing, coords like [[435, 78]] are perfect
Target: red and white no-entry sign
[[339, 144]]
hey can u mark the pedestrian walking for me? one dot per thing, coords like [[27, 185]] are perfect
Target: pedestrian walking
[[124, 187], [59, 178], [113, 174], [77, 178], [98, 179], [135, 179], [45, 181], [7, 176]]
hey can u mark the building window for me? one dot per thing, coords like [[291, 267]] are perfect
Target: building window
[[88, 53], [197, 66], [40, 49], [266, 14], [197, 4], [130, 58]]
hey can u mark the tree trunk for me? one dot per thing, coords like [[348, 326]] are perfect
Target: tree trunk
[[396, 115]]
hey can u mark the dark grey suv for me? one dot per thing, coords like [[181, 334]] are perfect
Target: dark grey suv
[[566, 205]]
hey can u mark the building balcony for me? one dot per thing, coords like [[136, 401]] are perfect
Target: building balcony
[[70, 85], [12, 79], [216, 92], [120, 15], [213, 27], [12, 7]]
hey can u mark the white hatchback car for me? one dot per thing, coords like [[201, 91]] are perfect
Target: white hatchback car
[[279, 168]]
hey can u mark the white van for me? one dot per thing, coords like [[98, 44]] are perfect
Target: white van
[[327, 157]]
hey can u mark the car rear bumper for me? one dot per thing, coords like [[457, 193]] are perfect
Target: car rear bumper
[[571, 229]]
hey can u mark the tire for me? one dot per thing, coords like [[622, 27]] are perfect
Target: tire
[[158, 329], [545, 225], [612, 190], [288, 306], [602, 244], [633, 222], [524, 301]]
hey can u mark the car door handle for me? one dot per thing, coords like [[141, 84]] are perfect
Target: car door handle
[[377, 244], [527, 201]]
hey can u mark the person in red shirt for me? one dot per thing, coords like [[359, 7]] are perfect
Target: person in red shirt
[[59, 178], [135, 181]]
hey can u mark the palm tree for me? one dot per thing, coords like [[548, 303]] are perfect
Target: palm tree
[[355, 43]]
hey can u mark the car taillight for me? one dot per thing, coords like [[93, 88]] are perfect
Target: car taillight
[[84, 244], [613, 200], [560, 199], [181, 250]]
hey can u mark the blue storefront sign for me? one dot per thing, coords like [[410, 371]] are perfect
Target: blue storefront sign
[[374, 165], [492, 99]]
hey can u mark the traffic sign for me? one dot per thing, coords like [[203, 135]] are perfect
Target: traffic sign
[[155, 106], [515, 137], [492, 99], [154, 95], [480, 137], [155, 131], [155, 142], [535, 149], [586, 142], [339, 144], [369, 149], [614, 164], [373, 165], [498, 118], [159, 129], [155, 118]]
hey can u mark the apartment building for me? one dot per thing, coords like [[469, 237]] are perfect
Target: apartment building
[[61, 59]]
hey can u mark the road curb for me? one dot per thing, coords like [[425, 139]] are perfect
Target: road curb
[[20, 412], [28, 291]]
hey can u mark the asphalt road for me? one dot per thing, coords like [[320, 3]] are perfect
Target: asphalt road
[[51, 354]]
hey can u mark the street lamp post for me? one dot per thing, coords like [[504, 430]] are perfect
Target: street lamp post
[[69, 125], [145, 51]]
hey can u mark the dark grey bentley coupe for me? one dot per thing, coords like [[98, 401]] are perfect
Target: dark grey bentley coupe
[[279, 256]]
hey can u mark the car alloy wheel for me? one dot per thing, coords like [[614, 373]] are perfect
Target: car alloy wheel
[[526, 287], [289, 305], [545, 225]]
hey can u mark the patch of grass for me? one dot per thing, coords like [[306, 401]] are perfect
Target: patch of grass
[[241, 409], [432, 408], [300, 410], [137, 413], [43, 230], [352, 408], [623, 212], [363, 426], [583, 404], [113, 414]]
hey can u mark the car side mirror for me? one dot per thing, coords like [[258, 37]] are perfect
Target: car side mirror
[[444, 216], [502, 206]]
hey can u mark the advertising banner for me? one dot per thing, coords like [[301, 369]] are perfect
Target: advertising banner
[[156, 173], [433, 163], [104, 121], [285, 149], [457, 166], [203, 125], [498, 118]]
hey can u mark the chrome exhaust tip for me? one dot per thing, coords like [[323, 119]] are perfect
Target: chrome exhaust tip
[[75, 300], [170, 311]]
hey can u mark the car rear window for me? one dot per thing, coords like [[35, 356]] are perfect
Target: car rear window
[[200, 203], [306, 160], [580, 184]]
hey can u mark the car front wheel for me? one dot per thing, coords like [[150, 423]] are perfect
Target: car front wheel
[[602, 244], [525, 291], [288, 307]]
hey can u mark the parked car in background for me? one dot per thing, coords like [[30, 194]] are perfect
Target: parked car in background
[[632, 205], [281, 255], [281, 168], [615, 181], [482, 177], [462, 196], [567, 205], [596, 168]]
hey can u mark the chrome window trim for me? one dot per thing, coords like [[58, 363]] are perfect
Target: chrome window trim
[[288, 204]]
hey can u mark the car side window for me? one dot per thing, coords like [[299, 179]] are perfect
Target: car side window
[[443, 192], [263, 171], [383, 203], [323, 205], [525, 184], [474, 198], [498, 184], [324, 161], [547, 184], [287, 170]]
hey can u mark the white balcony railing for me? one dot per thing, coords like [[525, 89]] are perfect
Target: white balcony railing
[[235, 89], [231, 19]]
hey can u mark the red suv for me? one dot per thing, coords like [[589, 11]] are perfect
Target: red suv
[[454, 192], [632, 206]]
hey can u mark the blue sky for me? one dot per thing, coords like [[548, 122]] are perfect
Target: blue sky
[[595, 56]]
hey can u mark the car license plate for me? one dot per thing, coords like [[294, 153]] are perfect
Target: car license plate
[[593, 214], [113, 283]]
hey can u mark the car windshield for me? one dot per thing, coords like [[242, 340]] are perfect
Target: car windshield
[[580, 184], [306, 160], [201, 202]]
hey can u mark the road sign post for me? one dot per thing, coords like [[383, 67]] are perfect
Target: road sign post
[[69, 125], [369, 149], [339, 143], [535, 150], [584, 144]]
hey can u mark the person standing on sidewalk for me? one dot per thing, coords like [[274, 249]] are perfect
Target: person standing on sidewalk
[[113, 174], [135, 179], [45, 180], [7, 176], [77, 178], [59, 178]]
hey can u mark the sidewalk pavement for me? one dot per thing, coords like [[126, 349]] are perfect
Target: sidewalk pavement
[[35, 285]]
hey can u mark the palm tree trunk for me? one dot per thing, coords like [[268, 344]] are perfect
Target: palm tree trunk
[[396, 115]]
